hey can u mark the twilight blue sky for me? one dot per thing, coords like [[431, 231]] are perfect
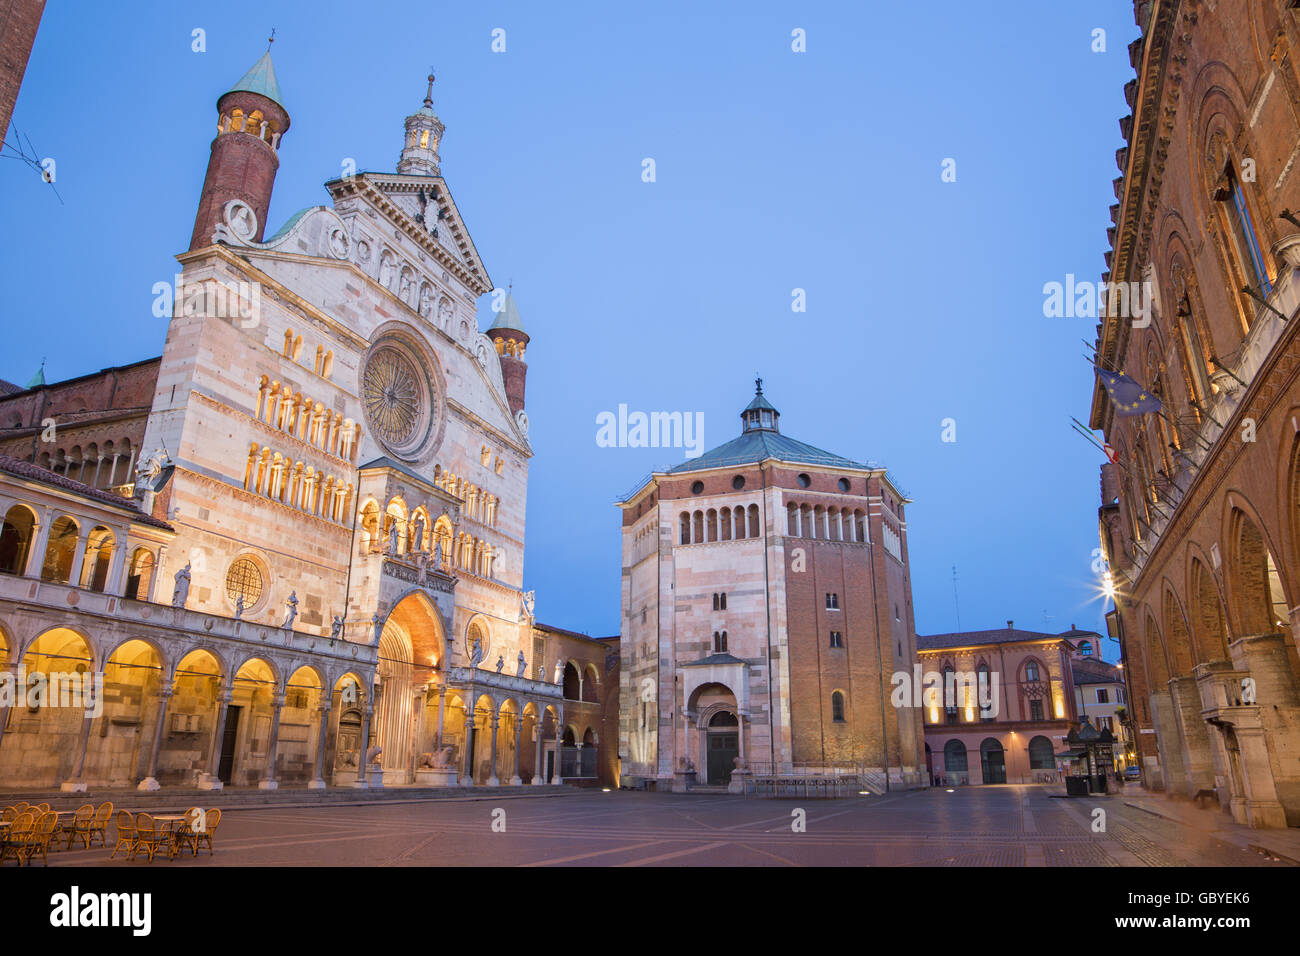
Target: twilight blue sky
[[775, 170]]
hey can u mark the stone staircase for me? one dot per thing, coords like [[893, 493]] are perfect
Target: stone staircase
[[179, 799]]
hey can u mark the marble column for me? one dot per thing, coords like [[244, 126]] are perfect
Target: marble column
[[212, 780], [268, 782], [515, 780], [493, 780], [442, 707], [150, 781], [317, 781], [19, 691], [77, 571], [556, 777], [116, 565], [537, 766], [419, 701], [467, 778], [36, 557], [75, 783]]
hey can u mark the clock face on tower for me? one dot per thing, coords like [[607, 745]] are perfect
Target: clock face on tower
[[400, 398]]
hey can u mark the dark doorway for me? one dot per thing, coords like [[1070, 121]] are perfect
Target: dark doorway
[[228, 738], [550, 767], [723, 750], [993, 762]]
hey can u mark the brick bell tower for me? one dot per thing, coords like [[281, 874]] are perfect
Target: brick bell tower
[[245, 155], [508, 333]]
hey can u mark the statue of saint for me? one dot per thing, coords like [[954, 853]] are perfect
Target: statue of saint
[[182, 592], [336, 628], [523, 665], [292, 605], [501, 662], [239, 607]]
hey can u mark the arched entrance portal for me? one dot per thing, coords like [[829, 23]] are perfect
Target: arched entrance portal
[[410, 647], [721, 736]]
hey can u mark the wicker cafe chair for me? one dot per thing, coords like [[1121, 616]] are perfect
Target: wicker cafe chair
[[79, 828], [40, 808], [16, 841], [125, 834], [21, 806], [9, 814], [211, 821], [99, 825], [45, 832], [186, 832], [148, 837]]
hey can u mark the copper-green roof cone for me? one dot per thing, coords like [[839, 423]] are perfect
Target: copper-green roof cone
[[261, 79], [508, 317]]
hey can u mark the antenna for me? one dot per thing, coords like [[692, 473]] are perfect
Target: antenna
[[955, 603]]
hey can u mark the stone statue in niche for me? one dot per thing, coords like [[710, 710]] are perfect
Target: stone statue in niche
[[404, 286], [445, 315], [417, 535], [292, 605], [522, 667], [501, 662], [386, 270], [394, 539], [476, 651], [426, 301], [182, 592], [437, 554]]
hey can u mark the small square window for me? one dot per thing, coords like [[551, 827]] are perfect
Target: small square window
[[837, 639]]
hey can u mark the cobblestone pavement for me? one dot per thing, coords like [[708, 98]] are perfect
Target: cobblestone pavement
[[972, 826]]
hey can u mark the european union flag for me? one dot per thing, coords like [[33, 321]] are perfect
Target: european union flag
[[1128, 396]]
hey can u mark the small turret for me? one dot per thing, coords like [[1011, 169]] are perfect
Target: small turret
[[251, 120], [511, 340], [423, 135]]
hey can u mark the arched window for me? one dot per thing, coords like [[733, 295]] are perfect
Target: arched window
[[949, 694], [572, 686], [16, 532], [139, 574], [719, 642], [1041, 754], [837, 707], [753, 522], [98, 557], [60, 551], [1085, 648], [984, 688]]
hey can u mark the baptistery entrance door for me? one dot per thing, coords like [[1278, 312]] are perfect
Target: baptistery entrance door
[[723, 747]]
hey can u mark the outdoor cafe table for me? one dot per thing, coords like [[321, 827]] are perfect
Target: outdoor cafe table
[[172, 824]]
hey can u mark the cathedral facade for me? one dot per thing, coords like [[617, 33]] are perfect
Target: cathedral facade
[[303, 562], [766, 599]]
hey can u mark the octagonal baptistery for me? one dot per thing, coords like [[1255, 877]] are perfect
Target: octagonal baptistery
[[766, 606]]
